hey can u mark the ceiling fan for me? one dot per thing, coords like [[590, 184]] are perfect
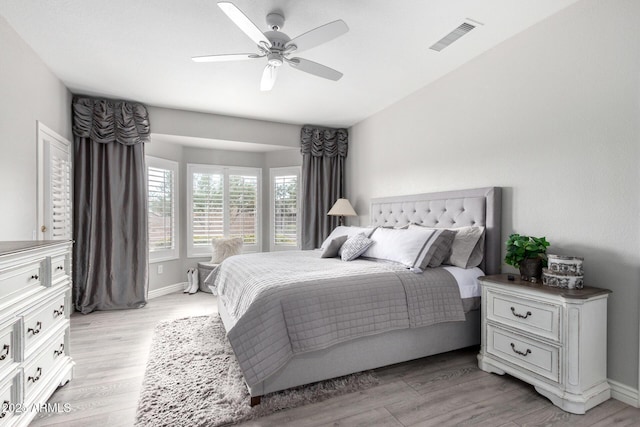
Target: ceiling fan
[[277, 47]]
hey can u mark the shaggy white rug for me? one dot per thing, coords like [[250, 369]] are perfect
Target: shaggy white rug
[[193, 379]]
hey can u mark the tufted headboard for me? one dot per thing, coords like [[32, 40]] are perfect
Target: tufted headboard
[[449, 209]]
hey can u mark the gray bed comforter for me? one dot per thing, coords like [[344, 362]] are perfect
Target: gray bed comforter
[[285, 303]]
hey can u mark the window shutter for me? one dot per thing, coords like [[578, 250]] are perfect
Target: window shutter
[[243, 208], [207, 208], [161, 212], [60, 191], [285, 206]]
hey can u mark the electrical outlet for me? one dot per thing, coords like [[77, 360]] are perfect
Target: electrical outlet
[[160, 268]]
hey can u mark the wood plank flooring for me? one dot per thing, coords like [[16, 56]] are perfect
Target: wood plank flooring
[[111, 349]]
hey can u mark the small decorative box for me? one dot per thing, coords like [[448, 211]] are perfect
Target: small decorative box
[[565, 264], [561, 279]]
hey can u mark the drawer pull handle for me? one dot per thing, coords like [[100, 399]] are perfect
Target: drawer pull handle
[[36, 330], [57, 353], [522, 316], [35, 277], [59, 267], [5, 404], [521, 353], [5, 352], [36, 377], [58, 312]]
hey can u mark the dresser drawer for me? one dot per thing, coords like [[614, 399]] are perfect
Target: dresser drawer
[[38, 370], [16, 280], [8, 395], [42, 319], [59, 268], [536, 317], [7, 344], [537, 357]]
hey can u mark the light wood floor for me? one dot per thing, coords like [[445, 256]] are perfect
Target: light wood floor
[[111, 349]]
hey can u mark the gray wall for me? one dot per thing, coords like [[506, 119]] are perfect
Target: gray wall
[[553, 116], [28, 92]]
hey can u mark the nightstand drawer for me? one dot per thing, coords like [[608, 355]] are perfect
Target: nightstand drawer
[[537, 357], [532, 316]]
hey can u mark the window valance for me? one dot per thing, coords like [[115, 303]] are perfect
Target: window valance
[[105, 121], [325, 142]]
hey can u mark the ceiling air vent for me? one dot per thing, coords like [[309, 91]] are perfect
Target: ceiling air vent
[[454, 35]]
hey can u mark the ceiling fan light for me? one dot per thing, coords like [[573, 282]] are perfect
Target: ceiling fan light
[[274, 59]]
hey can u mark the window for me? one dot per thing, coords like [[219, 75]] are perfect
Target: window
[[223, 202], [162, 186], [284, 216]]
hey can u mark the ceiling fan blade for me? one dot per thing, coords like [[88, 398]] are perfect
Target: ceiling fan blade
[[315, 68], [244, 23], [317, 36], [268, 77], [225, 58]]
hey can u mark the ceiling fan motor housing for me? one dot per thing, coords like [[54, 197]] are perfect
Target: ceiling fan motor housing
[[275, 21]]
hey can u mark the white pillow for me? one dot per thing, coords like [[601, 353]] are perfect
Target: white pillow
[[224, 248], [343, 230], [409, 247], [355, 246]]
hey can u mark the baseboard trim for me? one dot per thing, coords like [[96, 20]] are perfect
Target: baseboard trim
[[624, 393], [166, 290]]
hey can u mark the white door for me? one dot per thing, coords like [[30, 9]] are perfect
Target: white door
[[54, 186]]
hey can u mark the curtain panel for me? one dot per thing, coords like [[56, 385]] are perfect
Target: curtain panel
[[324, 151], [110, 204]]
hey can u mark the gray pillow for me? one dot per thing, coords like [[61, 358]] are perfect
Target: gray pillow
[[355, 246], [467, 250], [331, 249], [437, 248]]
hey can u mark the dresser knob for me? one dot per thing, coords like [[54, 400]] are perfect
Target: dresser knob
[[521, 353], [59, 352], [5, 352], [36, 330], [58, 312], [35, 277], [36, 377], [522, 316], [5, 408]]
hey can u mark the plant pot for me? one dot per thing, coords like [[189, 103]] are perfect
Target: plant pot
[[531, 269]]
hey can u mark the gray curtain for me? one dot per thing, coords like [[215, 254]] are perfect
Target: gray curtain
[[324, 152], [110, 205]]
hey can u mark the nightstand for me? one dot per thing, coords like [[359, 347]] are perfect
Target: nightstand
[[552, 338]]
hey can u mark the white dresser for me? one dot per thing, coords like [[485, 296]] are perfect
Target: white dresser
[[554, 339], [35, 302]]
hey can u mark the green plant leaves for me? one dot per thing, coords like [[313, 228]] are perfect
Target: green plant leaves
[[521, 247]]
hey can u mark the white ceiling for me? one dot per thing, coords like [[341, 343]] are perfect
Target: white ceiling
[[141, 49]]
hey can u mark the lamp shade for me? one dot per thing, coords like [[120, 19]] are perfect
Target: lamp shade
[[342, 207]]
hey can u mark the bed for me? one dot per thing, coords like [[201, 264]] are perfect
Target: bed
[[386, 339]]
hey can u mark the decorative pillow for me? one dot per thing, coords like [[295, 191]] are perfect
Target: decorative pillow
[[224, 247], [343, 230], [410, 247], [355, 246], [467, 249], [438, 247], [331, 250]]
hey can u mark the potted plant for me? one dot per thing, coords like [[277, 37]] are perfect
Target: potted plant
[[527, 254]]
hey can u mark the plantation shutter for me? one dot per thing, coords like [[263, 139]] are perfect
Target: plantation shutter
[[59, 204], [285, 210], [161, 212], [207, 207], [243, 208]]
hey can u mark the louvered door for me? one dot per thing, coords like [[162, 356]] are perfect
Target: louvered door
[[55, 187]]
